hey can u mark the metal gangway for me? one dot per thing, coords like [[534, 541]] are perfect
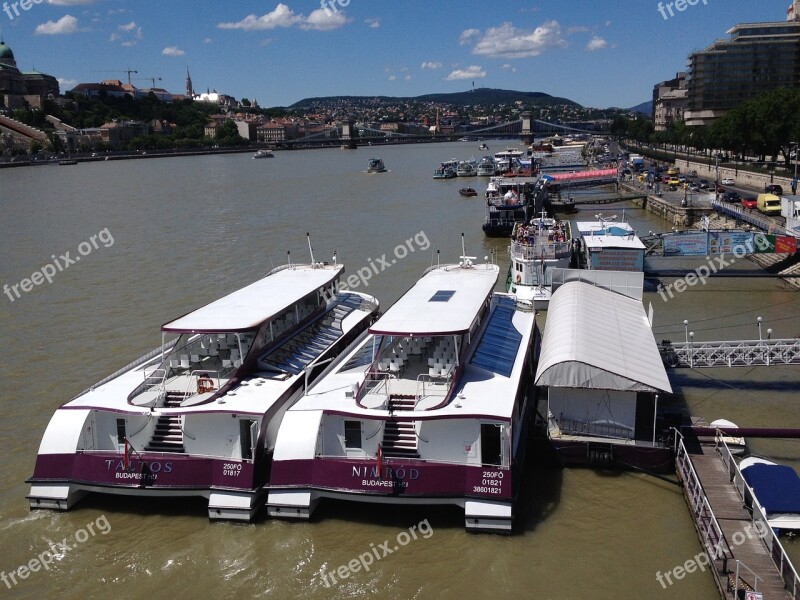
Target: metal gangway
[[740, 548], [743, 353]]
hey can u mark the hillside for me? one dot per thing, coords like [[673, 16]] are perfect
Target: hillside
[[484, 96]]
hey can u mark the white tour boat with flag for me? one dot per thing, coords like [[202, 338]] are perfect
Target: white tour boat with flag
[[199, 415], [536, 249], [431, 407]]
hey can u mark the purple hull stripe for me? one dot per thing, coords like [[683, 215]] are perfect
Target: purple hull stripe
[[151, 472], [406, 478]]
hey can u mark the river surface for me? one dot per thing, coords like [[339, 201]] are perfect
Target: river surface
[[172, 234]]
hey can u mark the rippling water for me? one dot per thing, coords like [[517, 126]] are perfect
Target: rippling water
[[187, 230]]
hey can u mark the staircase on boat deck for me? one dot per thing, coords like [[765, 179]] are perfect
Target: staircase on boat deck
[[168, 436], [400, 437]]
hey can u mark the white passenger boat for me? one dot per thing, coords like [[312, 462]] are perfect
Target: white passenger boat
[[263, 154], [431, 407], [467, 168], [447, 170], [536, 249], [485, 167], [507, 159], [199, 415]]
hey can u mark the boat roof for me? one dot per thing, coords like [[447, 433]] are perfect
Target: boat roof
[[598, 339], [249, 307], [445, 301], [590, 228], [487, 388], [777, 487], [613, 241]]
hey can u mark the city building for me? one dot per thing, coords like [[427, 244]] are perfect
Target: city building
[[19, 89], [669, 102], [756, 58]]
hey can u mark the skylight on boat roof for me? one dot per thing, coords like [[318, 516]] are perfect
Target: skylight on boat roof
[[442, 296]]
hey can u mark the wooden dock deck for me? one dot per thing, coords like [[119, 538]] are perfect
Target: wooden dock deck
[[729, 531]]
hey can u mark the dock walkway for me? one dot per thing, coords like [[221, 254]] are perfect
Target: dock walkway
[[744, 552]]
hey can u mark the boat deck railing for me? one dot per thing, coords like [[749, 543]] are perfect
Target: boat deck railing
[[760, 522], [578, 427], [540, 249]]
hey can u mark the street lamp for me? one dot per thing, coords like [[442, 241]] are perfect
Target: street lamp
[[686, 330], [759, 319]]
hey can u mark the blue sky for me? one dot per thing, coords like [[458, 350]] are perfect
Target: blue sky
[[597, 53]]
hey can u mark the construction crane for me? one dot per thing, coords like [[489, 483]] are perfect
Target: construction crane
[[128, 71], [152, 80]]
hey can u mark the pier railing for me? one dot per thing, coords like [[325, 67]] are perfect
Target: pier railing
[[738, 212], [708, 527], [745, 353], [760, 522]]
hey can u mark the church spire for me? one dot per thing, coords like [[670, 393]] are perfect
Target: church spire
[[189, 88]]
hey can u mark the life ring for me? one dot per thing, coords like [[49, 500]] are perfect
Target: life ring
[[204, 384], [519, 278]]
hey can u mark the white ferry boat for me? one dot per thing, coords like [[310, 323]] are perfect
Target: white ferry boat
[[199, 415], [447, 170], [467, 168], [536, 249], [485, 167], [507, 159], [431, 407], [263, 154]]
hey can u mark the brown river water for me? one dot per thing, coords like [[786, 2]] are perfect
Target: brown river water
[[172, 234]]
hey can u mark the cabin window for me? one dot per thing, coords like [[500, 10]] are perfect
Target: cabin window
[[442, 296], [491, 451], [121, 433], [352, 435]]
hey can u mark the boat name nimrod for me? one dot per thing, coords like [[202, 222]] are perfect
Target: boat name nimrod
[[387, 473]]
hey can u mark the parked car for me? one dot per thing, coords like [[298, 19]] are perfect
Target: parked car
[[704, 184], [694, 187], [673, 171], [749, 203], [693, 173], [731, 197], [718, 188], [682, 178], [729, 181], [773, 188], [674, 181]]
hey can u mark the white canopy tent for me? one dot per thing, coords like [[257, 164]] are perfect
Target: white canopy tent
[[597, 339]]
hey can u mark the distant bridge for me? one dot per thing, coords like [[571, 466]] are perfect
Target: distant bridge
[[333, 135]]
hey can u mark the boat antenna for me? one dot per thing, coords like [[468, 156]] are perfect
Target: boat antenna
[[466, 261], [438, 252], [289, 257], [335, 257], [310, 249]]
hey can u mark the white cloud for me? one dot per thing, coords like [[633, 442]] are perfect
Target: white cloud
[[127, 35], [66, 24], [392, 77], [283, 16], [67, 83], [172, 51], [468, 35], [507, 41], [207, 40], [407, 77], [596, 43], [508, 67], [431, 65], [471, 72], [373, 22], [323, 20]]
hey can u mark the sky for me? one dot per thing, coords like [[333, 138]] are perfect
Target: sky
[[599, 54]]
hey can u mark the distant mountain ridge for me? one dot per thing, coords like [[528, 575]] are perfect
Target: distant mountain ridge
[[477, 96], [645, 108]]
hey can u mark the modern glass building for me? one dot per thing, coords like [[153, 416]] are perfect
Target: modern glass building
[[757, 57]]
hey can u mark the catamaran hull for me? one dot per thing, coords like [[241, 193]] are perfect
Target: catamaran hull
[[485, 493]]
